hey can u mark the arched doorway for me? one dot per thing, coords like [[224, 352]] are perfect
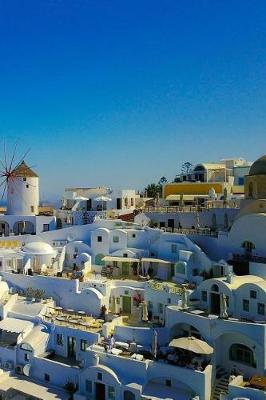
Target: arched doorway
[[242, 354], [23, 228], [4, 228], [99, 259], [128, 395], [215, 300]]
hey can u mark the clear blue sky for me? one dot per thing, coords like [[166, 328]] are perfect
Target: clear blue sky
[[121, 92]]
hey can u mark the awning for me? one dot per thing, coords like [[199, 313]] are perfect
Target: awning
[[15, 325], [192, 344], [155, 260], [120, 259], [188, 197]]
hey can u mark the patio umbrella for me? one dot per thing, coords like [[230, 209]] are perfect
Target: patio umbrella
[[144, 311], [184, 298], [223, 306], [192, 344], [154, 343]]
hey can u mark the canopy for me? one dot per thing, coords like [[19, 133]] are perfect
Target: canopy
[[15, 325], [102, 198], [120, 259], [155, 260], [188, 197], [192, 344]]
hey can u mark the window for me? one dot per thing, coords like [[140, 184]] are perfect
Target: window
[[253, 294], [27, 186], [180, 268], [132, 202], [47, 377], [45, 227], [174, 248], [169, 300], [245, 305], [133, 235], [26, 357], [83, 345], [99, 239], [204, 295], [242, 354], [111, 393], [261, 308], [168, 382], [125, 255], [99, 376], [24, 179], [32, 208], [59, 339], [88, 385], [115, 239]]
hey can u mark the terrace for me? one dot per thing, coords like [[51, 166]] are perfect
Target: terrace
[[73, 319], [203, 313]]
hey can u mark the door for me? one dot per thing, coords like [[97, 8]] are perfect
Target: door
[[99, 391], [71, 347], [171, 223], [125, 269], [118, 204], [215, 303], [126, 304]]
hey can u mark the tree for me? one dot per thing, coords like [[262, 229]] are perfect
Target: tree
[[186, 167], [152, 190], [162, 180]]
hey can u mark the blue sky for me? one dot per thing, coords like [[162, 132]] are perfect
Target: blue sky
[[121, 92]]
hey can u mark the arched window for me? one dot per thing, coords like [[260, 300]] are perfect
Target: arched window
[[129, 395], [250, 189], [215, 288], [180, 268], [242, 354]]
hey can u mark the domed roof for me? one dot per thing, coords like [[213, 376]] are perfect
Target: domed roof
[[38, 248], [258, 167]]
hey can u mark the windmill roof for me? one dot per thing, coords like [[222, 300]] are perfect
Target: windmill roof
[[24, 171]]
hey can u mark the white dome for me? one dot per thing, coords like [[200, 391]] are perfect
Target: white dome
[[38, 248]]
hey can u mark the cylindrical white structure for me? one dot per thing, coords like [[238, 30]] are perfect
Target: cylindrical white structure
[[23, 191]]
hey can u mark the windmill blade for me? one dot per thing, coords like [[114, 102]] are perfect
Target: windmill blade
[[4, 191], [22, 158], [13, 157], [5, 158]]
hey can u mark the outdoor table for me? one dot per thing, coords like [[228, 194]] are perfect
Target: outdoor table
[[123, 345], [197, 312], [116, 352], [258, 382]]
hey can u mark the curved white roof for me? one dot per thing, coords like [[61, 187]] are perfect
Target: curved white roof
[[38, 248]]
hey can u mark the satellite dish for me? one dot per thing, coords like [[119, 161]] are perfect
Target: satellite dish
[[70, 238], [26, 370]]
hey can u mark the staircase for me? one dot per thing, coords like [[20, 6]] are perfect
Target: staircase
[[221, 384]]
